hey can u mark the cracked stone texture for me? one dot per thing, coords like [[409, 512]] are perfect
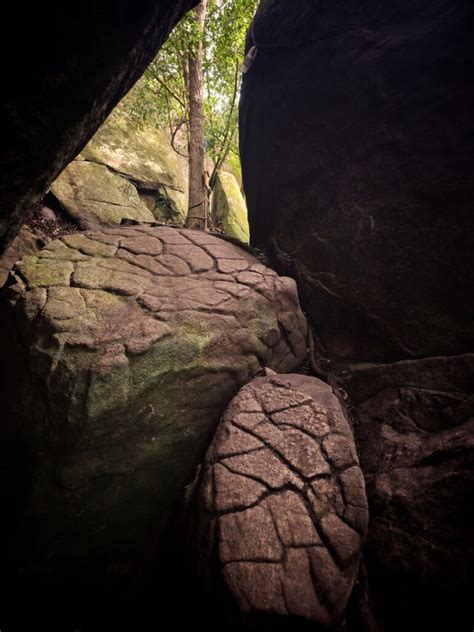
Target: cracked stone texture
[[414, 426], [95, 197], [357, 166], [124, 348], [27, 242], [280, 503]]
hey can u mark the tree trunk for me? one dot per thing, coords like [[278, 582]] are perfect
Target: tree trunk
[[197, 205]]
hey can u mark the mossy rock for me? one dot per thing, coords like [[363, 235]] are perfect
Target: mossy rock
[[95, 196], [27, 242], [123, 347], [145, 157], [228, 209]]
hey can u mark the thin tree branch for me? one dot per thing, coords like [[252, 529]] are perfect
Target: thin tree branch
[[172, 92], [173, 137]]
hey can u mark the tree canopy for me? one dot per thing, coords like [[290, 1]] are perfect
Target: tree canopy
[[162, 96]]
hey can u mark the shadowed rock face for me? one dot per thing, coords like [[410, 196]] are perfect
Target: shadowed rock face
[[356, 137], [414, 424], [76, 63], [280, 508], [123, 349], [356, 141]]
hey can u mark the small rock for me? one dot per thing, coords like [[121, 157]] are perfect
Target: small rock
[[47, 213]]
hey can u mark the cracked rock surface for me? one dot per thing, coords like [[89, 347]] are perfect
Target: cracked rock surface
[[280, 502], [124, 347]]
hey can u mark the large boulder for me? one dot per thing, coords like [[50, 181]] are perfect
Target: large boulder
[[414, 424], [96, 197], [356, 142], [279, 512], [143, 156], [228, 209], [121, 350], [76, 63]]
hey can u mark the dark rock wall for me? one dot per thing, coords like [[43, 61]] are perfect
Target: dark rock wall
[[68, 68], [414, 423], [356, 141]]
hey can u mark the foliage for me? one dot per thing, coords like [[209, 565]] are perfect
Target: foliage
[[161, 97]]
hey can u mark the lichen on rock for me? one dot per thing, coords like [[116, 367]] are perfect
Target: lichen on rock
[[229, 211], [143, 156], [134, 339], [96, 197], [27, 242]]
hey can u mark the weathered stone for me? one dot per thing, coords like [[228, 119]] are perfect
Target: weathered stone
[[53, 105], [228, 209], [95, 197], [48, 214], [357, 165], [279, 546], [145, 158], [121, 369], [27, 242], [414, 425]]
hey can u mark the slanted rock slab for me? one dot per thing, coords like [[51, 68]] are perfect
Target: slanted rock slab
[[96, 197], [279, 508], [228, 210], [124, 347], [145, 158]]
